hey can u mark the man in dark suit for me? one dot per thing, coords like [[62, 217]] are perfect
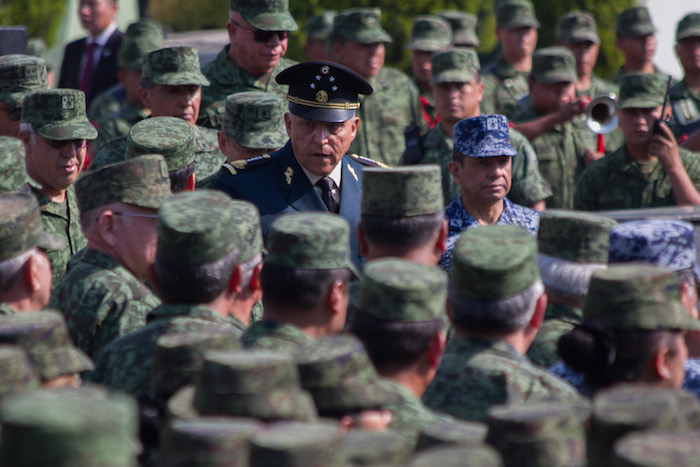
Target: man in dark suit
[[90, 64], [312, 172]]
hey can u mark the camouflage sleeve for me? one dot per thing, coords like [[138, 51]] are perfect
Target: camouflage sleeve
[[691, 164], [528, 185], [588, 187], [107, 130]]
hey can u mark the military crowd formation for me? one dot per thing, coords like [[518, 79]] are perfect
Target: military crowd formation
[[259, 262]]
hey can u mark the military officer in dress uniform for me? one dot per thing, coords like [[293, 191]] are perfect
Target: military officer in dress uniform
[[312, 172]]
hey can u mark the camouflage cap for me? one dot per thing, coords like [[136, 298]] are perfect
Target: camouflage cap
[[577, 26], [459, 456], [171, 137], [689, 26], [196, 228], [554, 65], [402, 192], [268, 15], [641, 91], [173, 66], [43, 335], [58, 114], [21, 228], [634, 22], [494, 261], [340, 377], [514, 14], [368, 447], [36, 47], [454, 66], [463, 28], [13, 172], [653, 449], [361, 25], [207, 441], [298, 445], [637, 296], [574, 236], [544, 433], [21, 75], [320, 27], [16, 373], [663, 242], [625, 408], [261, 385], [308, 240], [75, 427], [256, 119], [179, 357], [142, 181], [483, 136], [140, 38], [430, 34], [450, 432], [399, 290]]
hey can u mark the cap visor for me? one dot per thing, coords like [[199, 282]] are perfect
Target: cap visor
[[453, 76], [466, 39], [427, 45], [638, 103], [552, 78], [694, 32], [67, 130], [370, 36], [522, 23], [49, 242], [273, 22], [584, 37], [321, 115], [182, 79]]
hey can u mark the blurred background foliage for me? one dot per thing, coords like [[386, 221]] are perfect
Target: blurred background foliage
[[41, 17]]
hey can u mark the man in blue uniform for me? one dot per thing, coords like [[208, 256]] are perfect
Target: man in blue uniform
[[312, 172]]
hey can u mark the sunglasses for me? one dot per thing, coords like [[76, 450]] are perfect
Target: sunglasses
[[263, 36]]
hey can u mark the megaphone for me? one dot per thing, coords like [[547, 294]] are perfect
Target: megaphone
[[600, 113]]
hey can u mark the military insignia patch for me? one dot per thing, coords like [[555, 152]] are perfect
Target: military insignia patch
[[288, 175], [325, 70], [30, 72], [492, 124], [322, 96], [68, 102]]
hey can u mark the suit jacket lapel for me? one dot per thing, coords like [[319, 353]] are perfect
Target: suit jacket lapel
[[350, 191], [294, 182]]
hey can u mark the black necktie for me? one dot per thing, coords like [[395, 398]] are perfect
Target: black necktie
[[327, 184]]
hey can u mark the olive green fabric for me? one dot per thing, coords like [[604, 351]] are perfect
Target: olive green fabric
[[452, 432], [58, 114], [554, 65], [575, 27], [400, 290], [140, 38], [13, 172], [463, 28], [637, 296], [689, 26], [454, 66], [21, 75], [430, 34], [171, 137], [657, 450], [16, 372], [298, 445], [514, 14], [320, 27], [43, 336], [458, 456], [199, 227], [143, 182], [641, 91], [268, 15], [365, 447], [255, 119], [21, 228], [83, 427], [173, 66], [574, 236], [634, 22], [361, 25], [402, 192], [494, 261]]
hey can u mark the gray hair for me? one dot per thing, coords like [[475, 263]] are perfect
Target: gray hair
[[10, 269], [501, 316], [248, 267], [566, 278]]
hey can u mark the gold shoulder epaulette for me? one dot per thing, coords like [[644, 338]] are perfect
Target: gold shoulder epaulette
[[368, 161], [237, 167]]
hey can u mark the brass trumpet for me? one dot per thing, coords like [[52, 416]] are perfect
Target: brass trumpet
[[601, 117]]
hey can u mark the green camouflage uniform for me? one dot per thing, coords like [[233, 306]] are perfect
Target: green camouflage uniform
[[558, 320], [118, 123], [599, 87], [503, 89], [274, 335], [684, 100], [13, 173], [20, 75]]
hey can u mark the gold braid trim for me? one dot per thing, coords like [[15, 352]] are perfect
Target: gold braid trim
[[324, 105]]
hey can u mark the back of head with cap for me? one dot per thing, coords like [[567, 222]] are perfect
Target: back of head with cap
[[255, 120], [20, 75], [58, 114], [173, 66], [463, 28]]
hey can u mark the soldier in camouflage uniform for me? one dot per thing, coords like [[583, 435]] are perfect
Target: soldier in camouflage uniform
[[358, 43], [481, 165], [649, 169], [636, 40], [258, 32], [13, 173], [43, 335], [84, 426], [463, 27], [685, 95], [546, 118], [305, 282], [171, 86], [206, 270], [572, 245], [253, 125], [117, 109], [55, 130], [496, 305], [19, 75], [25, 270], [103, 295], [505, 82], [429, 34], [318, 30], [400, 320], [297, 445], [455, 77]]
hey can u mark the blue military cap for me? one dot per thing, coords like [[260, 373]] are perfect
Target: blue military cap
[[323, 91], [662, 242], [484, 136]]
